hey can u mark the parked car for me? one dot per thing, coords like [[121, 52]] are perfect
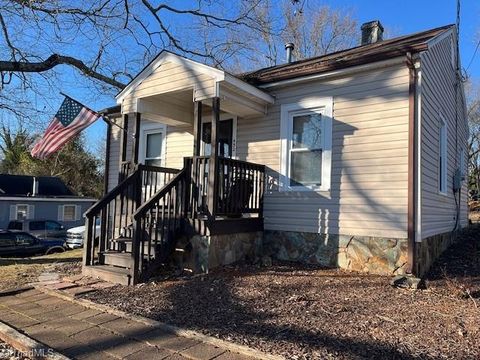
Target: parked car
[[75, 235], [23, 244], [43, 229]]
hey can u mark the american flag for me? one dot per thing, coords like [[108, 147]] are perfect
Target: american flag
[[71, 119]]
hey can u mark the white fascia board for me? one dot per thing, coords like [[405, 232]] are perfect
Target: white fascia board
[[249, 89], [338, 73], [165, 56]]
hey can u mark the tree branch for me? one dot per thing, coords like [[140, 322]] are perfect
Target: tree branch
[[55, 60]]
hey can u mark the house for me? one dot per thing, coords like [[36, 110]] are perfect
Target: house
[[25, 197], [354, 159]]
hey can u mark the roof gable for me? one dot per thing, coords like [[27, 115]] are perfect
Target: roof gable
[[164, 57]]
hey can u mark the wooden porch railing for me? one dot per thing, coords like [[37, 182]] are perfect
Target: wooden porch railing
[[115, 209], [156, 224], [240, 187]]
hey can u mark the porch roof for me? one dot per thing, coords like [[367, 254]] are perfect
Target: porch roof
[[170, 83]]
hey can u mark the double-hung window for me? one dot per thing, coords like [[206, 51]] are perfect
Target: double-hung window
[[152, 144], [306, 135]]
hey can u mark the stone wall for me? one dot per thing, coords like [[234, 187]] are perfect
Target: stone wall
[[202, 253], [427, 251], [374, 255]]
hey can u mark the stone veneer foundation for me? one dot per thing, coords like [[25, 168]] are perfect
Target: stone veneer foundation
[[207, 252], [385, 256], [427, 251]]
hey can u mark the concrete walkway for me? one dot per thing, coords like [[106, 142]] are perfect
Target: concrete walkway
[[83, 333]]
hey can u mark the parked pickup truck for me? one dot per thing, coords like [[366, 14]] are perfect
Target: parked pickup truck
[[22, 244], [75, 235]]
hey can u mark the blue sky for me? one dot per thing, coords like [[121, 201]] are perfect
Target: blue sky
[[398, 16]]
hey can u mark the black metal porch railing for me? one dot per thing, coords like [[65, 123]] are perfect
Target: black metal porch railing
[[113, 212]]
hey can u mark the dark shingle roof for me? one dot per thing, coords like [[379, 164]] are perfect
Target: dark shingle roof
[[22, 185], [381, 50]]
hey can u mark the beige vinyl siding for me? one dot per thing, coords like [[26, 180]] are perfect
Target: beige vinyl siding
[[114, 156], [170, 77], [369, 157], [438, 95], [179, 144]]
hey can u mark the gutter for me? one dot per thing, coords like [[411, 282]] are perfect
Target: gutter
[[412, 163]]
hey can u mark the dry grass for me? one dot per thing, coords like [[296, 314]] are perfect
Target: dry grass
[[16, 272]]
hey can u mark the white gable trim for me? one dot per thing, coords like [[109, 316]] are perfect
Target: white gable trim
[[218, 75], [163, 57]]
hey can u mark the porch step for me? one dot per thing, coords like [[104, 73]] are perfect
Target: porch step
[[116, 259], [109, 273], [125, 245]]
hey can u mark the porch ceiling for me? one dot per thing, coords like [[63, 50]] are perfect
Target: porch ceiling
[[166, 89]]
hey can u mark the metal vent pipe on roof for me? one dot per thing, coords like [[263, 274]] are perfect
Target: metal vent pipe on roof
[[289, 49]]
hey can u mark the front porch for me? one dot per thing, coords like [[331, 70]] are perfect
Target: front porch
[[154, 210]]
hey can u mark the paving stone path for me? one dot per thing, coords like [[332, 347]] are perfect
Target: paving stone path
[[84, 333]]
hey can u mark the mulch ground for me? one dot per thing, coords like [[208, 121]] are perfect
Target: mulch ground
[[312, 313]]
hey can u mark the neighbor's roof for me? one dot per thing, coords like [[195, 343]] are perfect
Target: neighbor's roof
[[381, 50], [22, 185]]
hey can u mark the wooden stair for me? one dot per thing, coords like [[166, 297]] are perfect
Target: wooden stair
[[114, 274]]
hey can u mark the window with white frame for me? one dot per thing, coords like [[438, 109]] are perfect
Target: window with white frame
[[306, 133], [21, 212], [69, 212], [442, 156], [152, 144]]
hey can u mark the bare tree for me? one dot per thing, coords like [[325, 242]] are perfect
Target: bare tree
[[319, 30], [105, 41], [100, 44], [473, 115]]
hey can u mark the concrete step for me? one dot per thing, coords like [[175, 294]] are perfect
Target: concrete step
[[117, 275], [116, 259]]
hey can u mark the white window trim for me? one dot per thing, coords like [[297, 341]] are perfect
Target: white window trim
[[151, 128], [27, 214], [443, 152], [223, 116], [75, 215], [323, 105]]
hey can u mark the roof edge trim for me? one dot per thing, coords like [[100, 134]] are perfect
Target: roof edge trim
[[336, 73]]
